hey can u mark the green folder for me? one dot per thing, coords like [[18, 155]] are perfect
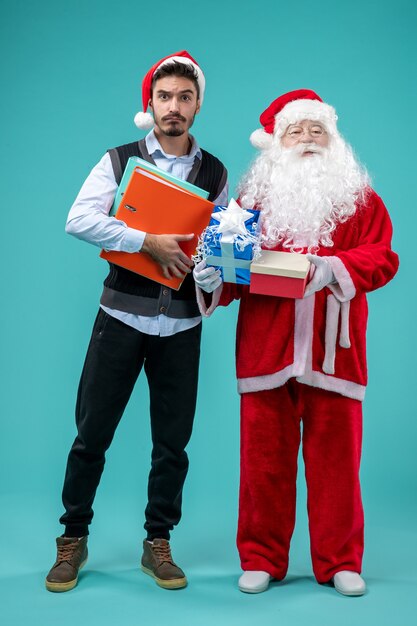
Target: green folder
[[134, 162]]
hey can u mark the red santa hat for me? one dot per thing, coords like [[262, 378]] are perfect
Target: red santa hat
[[290, 108], [143, 119]]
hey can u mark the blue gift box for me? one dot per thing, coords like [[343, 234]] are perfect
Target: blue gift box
[[229, 241]]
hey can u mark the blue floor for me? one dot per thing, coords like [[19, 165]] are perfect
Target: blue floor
[[113, 591]]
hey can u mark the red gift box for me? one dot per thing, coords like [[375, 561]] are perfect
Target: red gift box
[[281, 274]]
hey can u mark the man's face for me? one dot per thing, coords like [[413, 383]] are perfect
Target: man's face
[[174, 105], [310, 135]]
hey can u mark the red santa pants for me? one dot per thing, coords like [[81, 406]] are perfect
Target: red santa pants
[[270, 439]]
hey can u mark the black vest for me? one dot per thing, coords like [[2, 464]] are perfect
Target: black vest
[[126, 291]]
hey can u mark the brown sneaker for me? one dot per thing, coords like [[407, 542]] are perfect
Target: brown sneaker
[[71, 556], [158, 563]]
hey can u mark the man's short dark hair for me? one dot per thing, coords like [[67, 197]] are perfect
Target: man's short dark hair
[[174, 68]]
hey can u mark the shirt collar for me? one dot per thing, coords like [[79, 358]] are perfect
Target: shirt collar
[[155, 149]]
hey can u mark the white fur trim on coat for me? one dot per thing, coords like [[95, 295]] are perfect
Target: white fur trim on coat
[[301, 367], [303, 333], [344, 290]]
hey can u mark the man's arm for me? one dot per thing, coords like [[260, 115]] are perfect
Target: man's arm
[[89, 220]]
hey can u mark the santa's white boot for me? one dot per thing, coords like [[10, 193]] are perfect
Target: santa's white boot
[[254, 582], [349, 583]]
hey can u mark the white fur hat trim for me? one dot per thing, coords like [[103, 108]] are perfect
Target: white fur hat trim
[[299, 110], [260, 139], [143, 120]]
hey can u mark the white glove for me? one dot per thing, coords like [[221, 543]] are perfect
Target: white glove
[[207, 278], [323, 274]]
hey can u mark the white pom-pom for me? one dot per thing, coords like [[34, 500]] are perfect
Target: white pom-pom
[[260, 139], [143, 120]]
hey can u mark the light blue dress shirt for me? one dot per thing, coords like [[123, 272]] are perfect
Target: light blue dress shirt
[[89, 220]]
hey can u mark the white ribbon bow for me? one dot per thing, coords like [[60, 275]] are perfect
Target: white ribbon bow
[[232, 221]]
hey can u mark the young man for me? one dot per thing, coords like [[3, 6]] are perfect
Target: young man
[[140, 323], [305, 359]]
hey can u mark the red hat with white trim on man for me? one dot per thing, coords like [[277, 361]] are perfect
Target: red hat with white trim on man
[[290, 108], [143, 119]]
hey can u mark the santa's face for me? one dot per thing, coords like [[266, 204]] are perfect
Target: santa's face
[[309, 134], [305, 183]]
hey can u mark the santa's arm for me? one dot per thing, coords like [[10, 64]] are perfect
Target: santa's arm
[[210, 289], [372, 263], [223, 295]]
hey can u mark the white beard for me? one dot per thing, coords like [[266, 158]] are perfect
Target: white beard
[[304, 198]]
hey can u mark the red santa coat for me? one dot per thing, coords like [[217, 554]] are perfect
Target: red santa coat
[[319, 340]]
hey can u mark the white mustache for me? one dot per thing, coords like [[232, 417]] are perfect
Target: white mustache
[[303, 148]]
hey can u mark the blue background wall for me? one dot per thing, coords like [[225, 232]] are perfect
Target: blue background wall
[[72, 73]]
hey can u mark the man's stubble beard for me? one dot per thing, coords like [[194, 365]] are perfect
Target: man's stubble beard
[[175, 131]]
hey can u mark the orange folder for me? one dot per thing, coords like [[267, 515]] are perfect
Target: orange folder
[[160, 207]]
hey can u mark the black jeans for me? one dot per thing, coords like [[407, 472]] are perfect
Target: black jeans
[[114, 359]]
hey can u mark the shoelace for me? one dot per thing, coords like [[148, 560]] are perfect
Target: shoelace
[[66, 552], [162, 552]]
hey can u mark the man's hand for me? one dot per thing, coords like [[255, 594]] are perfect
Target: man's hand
[[207, 278], [323, 274], [164, 249]]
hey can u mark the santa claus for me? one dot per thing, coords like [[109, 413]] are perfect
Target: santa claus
[[303, 361]]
